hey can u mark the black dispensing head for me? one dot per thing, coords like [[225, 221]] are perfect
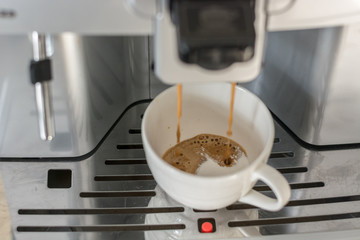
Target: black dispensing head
[[214, 33]]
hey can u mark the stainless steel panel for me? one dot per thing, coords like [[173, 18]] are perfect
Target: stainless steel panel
[[94, 80], [111, 191], [310, 81]]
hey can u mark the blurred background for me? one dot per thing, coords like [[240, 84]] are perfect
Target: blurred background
[[4, 216]]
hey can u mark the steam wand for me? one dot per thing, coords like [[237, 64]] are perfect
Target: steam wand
[[41, 74]]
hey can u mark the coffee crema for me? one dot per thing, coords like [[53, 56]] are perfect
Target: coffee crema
[[189, 154]]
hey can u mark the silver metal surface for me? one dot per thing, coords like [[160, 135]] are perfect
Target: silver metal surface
[[310, 81], [143, 8], [94, 80], [39, 46], [45, 111], [112, 188], [42, 89]]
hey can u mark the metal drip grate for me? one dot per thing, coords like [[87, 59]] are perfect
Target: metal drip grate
[[111, 191]]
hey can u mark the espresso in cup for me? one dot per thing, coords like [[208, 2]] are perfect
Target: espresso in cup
[[205, 111], [205, 152]]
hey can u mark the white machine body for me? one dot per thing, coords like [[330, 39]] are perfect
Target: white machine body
[[151, 17]]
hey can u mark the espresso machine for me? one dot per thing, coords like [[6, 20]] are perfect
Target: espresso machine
[[77, 76]]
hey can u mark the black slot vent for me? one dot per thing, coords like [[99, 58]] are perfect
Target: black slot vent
[[135, 131], [125, 161], [282, 154], [129, 146], [293, 186], [276, 140], [305, 202], [117, 194], [99, 211], [293, 170], [124, 178], [289, 220], [204, 211], [102, 228]]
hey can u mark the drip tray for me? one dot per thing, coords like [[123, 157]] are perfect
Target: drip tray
[[107, 195]]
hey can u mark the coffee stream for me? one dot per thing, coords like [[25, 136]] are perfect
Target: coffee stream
[[179, 101], [189, 154], [229, 132]]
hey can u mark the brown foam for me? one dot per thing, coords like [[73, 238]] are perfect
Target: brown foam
[[189, 154]]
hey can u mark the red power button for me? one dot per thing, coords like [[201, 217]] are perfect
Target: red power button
[[206, 227]]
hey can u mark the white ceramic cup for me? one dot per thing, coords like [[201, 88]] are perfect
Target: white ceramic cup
[[205, 109]]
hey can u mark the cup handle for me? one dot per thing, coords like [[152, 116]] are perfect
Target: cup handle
[[278, 185]]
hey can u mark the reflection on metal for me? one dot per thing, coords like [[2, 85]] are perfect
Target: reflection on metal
[[310, 81], [45, 112], [112, 189], [41, 51], [94, 79]]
